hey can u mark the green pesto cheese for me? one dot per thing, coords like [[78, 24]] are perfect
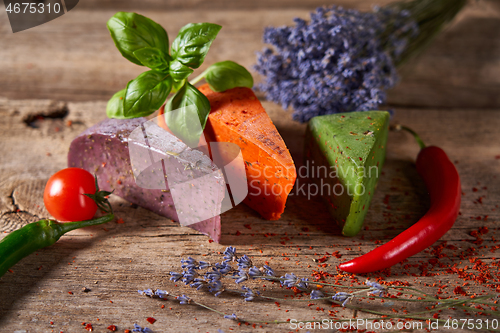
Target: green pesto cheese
[[345, 153]]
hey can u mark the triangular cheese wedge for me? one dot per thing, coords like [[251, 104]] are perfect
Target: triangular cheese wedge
[[345, 153], [237, 116]]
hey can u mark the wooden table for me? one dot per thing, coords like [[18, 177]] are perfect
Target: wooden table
[[68, 68]]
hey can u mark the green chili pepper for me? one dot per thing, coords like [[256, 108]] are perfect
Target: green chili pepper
[[34, 236]]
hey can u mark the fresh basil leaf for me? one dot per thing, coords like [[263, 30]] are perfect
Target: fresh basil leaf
[[226, 75], [131, 32], [146, 94], [192, 43], [114, 109], [186, 114], [153, 58], [179, 71]]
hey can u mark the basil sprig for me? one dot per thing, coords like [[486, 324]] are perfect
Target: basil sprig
[[191, 108], [226, 75], [145, 43], [146, 92], [192, 43], [132, 32]]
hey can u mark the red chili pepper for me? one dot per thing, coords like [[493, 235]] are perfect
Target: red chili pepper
[[443, 183]]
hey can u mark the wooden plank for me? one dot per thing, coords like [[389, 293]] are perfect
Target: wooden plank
[[115, 260], [455, 69], [223, 5], [74, 59]]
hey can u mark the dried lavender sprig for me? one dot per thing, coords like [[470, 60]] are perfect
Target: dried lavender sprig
[[328, 296], [174, 276], [197, 283], [188, 263], [268, 270], [242, 276], [281, 279], [249, 294], [230, 254], [254, 272], [183, 299], [244, 262], [147, 292], [213, 275], [470, 308], [216, 288], [316, 294], [139, 329], [161, 293], [343, 297], [386, 316], [189, 276], [223, 268], [375, 288], [292, 279], [232, 317], [431, 16]]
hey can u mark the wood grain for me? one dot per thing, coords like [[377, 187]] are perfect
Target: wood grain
[[74, 59], [115, 260], [65, 70]]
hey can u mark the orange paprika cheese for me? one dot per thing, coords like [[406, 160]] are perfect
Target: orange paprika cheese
[[237, 116]]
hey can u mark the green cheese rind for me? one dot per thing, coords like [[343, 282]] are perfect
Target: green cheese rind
[[352, 147]]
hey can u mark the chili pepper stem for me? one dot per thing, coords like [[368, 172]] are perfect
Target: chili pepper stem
[[66, 227], [399, 127]]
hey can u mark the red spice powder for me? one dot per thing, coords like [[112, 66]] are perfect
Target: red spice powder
[[459, 291]]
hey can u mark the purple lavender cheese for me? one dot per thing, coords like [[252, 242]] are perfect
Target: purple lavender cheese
[[159, 170]]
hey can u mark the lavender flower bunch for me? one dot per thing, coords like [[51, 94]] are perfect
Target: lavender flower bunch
[[344, 60]]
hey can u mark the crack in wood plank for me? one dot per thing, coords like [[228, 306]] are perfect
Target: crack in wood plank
[[16, 207]]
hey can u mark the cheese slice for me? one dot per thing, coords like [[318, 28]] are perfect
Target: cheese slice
[[237, 116], [344, 156], [132, 157]]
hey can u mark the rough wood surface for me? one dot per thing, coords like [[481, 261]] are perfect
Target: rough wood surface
[[115, 260], [65, 70], [74, 59]]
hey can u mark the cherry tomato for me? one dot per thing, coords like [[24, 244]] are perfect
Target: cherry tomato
[[63, 195]]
